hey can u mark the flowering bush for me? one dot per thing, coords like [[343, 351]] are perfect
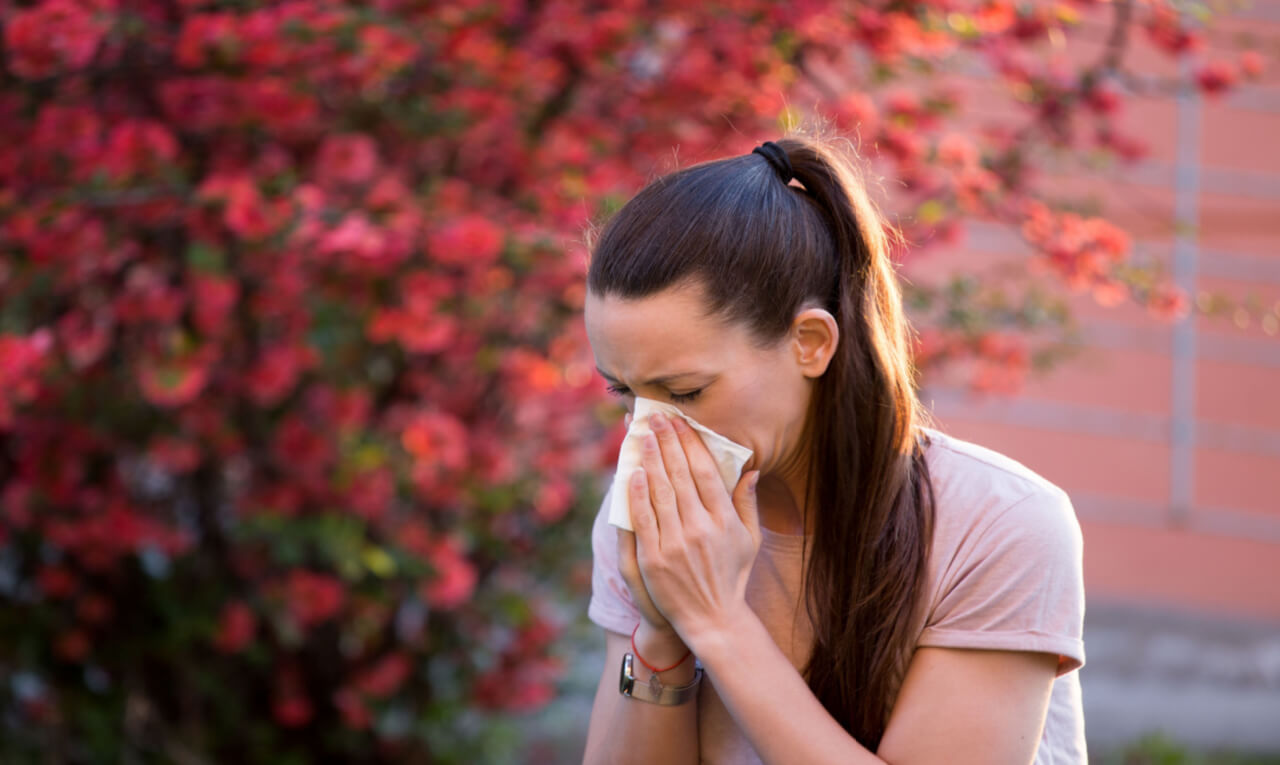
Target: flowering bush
[[299, 434]]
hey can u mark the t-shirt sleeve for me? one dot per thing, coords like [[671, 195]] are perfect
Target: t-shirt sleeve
[[611, 604], [1016, 584]]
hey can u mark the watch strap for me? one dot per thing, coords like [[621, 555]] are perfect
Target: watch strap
[[655, 691]]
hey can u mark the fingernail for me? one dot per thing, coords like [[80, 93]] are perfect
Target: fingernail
[[755, 480], [658, 421]]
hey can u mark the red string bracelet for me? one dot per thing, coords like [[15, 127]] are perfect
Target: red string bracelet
[[652, 668]]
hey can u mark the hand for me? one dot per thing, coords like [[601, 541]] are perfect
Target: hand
[[630, 570], [695, 544]]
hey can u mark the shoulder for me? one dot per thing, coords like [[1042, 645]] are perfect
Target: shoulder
[[1005, 567], [978, 489]]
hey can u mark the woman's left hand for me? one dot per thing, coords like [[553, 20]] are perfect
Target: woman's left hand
[[695, 544]]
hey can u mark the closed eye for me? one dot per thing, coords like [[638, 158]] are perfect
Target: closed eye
[[679, 398]]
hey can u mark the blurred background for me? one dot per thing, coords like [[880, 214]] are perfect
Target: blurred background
[[300, 436]]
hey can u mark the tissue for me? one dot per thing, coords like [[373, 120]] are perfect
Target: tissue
[[729, 456]]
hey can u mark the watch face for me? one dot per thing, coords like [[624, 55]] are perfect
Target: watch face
[[627, 679]]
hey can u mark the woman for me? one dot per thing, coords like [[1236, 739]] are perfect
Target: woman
[[886, 593]]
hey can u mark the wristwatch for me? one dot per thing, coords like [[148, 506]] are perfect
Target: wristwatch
[[654, 691]]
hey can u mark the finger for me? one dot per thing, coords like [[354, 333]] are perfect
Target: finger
[[626, 420], [627, 563], [662, 497], [643, 519], [747, 505], [702, 466], [677, 465]]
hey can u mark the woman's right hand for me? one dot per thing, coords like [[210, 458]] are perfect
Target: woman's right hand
[[629, 566]]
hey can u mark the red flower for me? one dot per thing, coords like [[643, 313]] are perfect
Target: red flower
[[85, 336], [371, 493], [553, 499], [72, 645], [54, 36], [199, 103], [1168, 302], [472, 240], [137, 148], [292, 711], [207, 36], [355, 715], [384, 678], [94, 609], [291, 707], [235, 627], [314, 598], [55, 582], [277, 371], [212, 299], [1252, 63], [1216, 77], [349, 158], [436, 438], [175, 381], [176, 455], [455, 577]]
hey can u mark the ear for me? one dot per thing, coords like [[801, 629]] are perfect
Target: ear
[[815, 335]]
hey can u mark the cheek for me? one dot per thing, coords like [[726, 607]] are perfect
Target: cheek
[[753, 413]]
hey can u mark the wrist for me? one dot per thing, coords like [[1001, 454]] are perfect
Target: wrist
[[719, 640], [662, 649]]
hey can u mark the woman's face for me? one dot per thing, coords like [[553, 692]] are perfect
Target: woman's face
[[755, 397]]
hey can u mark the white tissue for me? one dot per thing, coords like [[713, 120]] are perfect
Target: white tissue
[[729, 456]]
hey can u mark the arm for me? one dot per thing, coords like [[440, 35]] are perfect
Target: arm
[[955, 705], [629, 730]]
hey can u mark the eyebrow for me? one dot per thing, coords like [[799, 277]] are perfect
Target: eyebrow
[[655, 381]]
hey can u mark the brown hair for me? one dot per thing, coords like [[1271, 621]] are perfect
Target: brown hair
[[763, 250]]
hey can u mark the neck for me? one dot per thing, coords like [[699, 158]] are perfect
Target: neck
[[780, 497]]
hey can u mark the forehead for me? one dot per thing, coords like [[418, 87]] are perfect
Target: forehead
[[664, 332]]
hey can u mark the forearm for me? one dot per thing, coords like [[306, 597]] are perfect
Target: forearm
[[771, 702], [635, 731]]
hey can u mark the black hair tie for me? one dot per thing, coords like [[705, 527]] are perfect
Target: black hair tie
[[777, 157]]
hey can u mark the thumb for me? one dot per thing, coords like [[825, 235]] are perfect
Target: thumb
[[744, 501]]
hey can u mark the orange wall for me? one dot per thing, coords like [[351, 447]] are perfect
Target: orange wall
[[1101, 425]]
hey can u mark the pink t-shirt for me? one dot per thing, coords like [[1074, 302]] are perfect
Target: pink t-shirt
[[1004, 572]]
